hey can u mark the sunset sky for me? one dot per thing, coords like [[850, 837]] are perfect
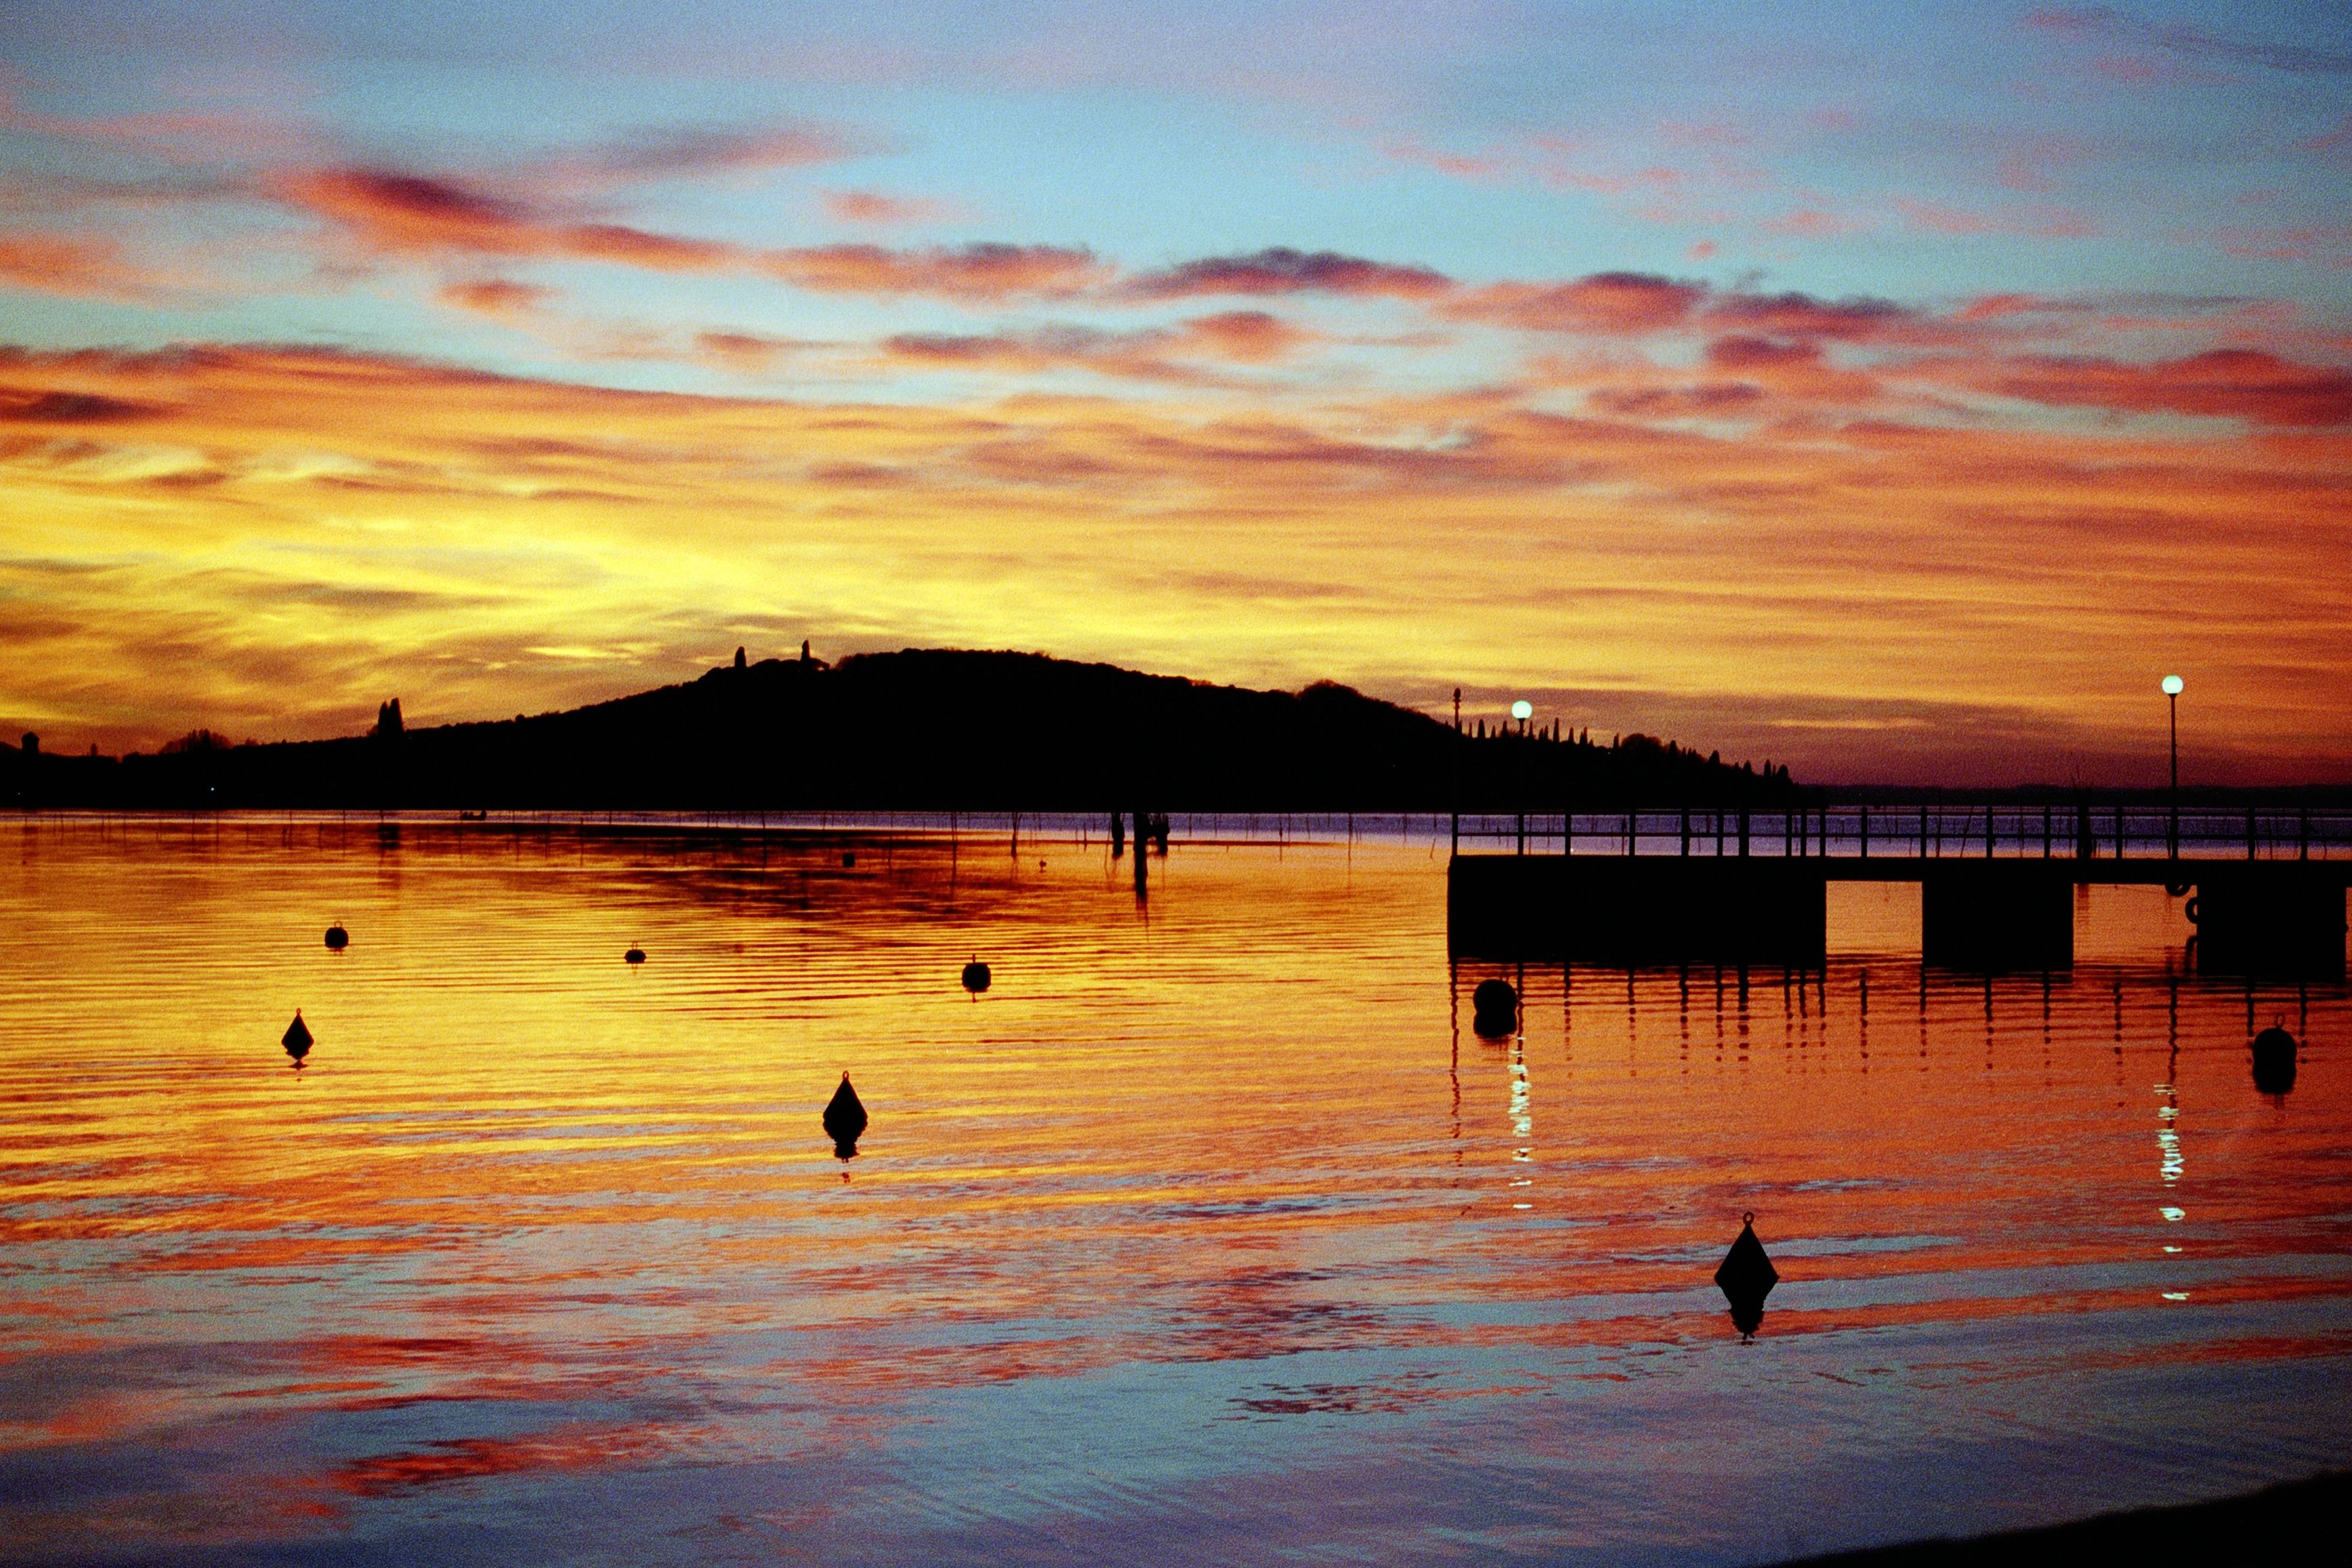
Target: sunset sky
[[1897, 391]]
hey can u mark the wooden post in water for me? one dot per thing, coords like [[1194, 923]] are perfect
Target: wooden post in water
[[2249, 832], [1685, 832], [1861, 832]]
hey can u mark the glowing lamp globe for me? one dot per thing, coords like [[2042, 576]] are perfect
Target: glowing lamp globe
[[1523, 709], [2172, 685]]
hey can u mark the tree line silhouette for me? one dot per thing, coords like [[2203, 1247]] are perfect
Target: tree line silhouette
[[918, 729]]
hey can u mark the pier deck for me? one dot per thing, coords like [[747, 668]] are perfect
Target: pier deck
[[2265, 889]]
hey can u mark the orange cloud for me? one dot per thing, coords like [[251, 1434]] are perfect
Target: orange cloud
[[496, 298], [467, 528]]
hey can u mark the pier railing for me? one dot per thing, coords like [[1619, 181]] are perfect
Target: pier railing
[[2135, 831]]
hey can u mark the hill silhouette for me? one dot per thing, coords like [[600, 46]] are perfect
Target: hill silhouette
[[918, 729]]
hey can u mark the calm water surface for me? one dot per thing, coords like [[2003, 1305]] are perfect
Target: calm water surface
[[1211, 1232]]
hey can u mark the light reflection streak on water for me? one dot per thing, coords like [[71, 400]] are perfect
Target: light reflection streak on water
[[1188, 1219]]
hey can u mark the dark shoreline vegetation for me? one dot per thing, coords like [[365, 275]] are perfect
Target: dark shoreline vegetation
[[922, 729], [2276, 1524]]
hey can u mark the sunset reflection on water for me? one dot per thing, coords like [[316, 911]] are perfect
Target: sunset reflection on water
[[1211, 1230]]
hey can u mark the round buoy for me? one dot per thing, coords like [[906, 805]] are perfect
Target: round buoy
[[848, 857], [2275, 1052], [2193, 909], [633, 956], [297, 1038], [338, 938], [975, 977], [1494, 1009]]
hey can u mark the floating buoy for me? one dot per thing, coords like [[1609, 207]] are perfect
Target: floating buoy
[[338, 938], [1495, 1009], [296, 1038], [1746, 1276], [845, 1119], [2275, 1052], [848, 858], [975, 977], [633, 956]]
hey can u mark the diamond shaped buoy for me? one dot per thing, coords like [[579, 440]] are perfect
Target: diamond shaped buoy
[[845, 1119], [1747, 1277], [2274, 1060], [296, 1038]]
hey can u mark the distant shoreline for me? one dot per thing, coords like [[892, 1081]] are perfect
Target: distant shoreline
[[2275, 1524]]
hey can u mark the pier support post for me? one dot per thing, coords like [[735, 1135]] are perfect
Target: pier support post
[[1650, 909], [2000, 915], [2273, 918]]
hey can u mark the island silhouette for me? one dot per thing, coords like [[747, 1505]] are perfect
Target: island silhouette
[[920, 729]]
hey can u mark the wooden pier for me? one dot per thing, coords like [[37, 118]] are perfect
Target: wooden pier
[[2265, 888]]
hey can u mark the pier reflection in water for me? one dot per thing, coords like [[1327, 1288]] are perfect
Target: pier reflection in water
[[1212, 1229]]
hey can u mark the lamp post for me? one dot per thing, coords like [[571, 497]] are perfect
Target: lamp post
[[2172, 702], [1523, 710]]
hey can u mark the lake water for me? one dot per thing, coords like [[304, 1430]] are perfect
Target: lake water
[[1211, 1232]]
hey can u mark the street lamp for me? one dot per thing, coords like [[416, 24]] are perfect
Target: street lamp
[[1523, 710], [2172, 702]]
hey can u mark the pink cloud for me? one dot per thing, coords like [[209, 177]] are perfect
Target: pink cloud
[[1607, 302], [1460, 165], [2329, 244], [414, 215], [2332, 142], [986, 272], [1281, 270], [2233, 383], [74, 266], [1803, 316], [875, 207]]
